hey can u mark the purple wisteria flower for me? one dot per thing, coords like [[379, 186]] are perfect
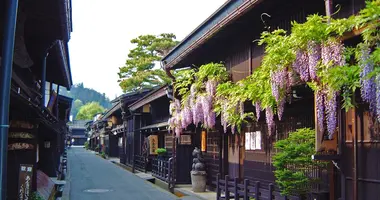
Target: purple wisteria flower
[[314, 57], [320, 108], [269, 120], [280, 108], [258, 110], [368, 86], [331, 119], [211, 87], [300, 65], [378, 96]]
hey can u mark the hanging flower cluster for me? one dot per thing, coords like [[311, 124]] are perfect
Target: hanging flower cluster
[[197, 105], [313, 54], [368, 85], [175, 121]]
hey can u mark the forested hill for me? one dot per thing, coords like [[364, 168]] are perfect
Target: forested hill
[[82, 96]]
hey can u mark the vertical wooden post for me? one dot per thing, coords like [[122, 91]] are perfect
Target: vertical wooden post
[[250, 58], [227, 195], [217, 187], [355, 149], [318, 137], [271, 191], [246, 182], [236, 189], [257, 190], [331, 181]]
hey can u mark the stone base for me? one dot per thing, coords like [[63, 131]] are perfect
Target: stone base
[[198, 181]]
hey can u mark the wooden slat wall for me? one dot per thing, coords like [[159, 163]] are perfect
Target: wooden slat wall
[[212, 157], [258, 163], [368, 155], [238, 62]]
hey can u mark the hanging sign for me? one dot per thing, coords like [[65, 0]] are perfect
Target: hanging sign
[[21, 124], [153, 144], [25, 181], [20, 146], [203, 141], [21, 135]]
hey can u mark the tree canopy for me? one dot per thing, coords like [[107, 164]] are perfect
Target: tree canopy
[[139, 71], [83, 95], [76, 106], [89, 110]]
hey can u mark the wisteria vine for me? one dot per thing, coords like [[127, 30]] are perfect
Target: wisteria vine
[[312, 53]]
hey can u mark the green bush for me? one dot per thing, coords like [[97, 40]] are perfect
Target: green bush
[[292, 161], [161, 151], [35, 196], [103, 155], [97, 148], [86, 145]]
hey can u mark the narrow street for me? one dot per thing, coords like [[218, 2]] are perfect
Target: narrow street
[[92, 177]]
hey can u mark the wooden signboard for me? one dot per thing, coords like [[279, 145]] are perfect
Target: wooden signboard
[[203, 141], [185, 139], [168, 141], [153, 144], [25, 181]]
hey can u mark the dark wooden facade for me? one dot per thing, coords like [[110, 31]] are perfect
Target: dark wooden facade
[[227, 36], [42, 32]]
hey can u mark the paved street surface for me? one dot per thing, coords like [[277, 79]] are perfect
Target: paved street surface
[[93, 178]]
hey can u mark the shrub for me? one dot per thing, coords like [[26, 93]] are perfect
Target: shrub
[[35, 196], [292, 161], [161, 151], [86, 145], [103, 155]]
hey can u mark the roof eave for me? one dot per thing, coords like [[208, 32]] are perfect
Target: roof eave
[[240, 10]]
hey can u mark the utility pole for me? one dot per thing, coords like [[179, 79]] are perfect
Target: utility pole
[[11, 7]]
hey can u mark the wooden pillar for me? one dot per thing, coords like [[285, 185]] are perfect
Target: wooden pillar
[[355, 154]]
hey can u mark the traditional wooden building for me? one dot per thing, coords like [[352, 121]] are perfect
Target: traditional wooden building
[[229, 36], [37, 113], [77, 132], [151, 132], [109, 133]]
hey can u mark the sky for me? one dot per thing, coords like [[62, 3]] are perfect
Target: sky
[[103, 29]]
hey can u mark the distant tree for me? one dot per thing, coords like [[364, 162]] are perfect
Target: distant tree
[[139, 72], [88, 111], [86, 95], [76, 106]]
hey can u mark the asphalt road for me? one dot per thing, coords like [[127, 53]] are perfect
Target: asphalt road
[[94, 178]]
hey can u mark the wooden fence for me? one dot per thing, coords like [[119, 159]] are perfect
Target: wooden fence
[[233, 189], [162, 169], [140, 163]]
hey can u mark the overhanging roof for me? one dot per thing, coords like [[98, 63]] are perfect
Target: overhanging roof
[[229, 12], [160, 92], [127, 99], [158, 125]]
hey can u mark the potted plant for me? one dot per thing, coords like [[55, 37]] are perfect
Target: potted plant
[[198, 172], [161, 152]]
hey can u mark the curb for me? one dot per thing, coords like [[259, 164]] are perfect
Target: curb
[[179, 192], [66, 189], [183, 192]]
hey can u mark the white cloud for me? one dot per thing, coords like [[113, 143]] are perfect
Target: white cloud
[[102, 31]]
